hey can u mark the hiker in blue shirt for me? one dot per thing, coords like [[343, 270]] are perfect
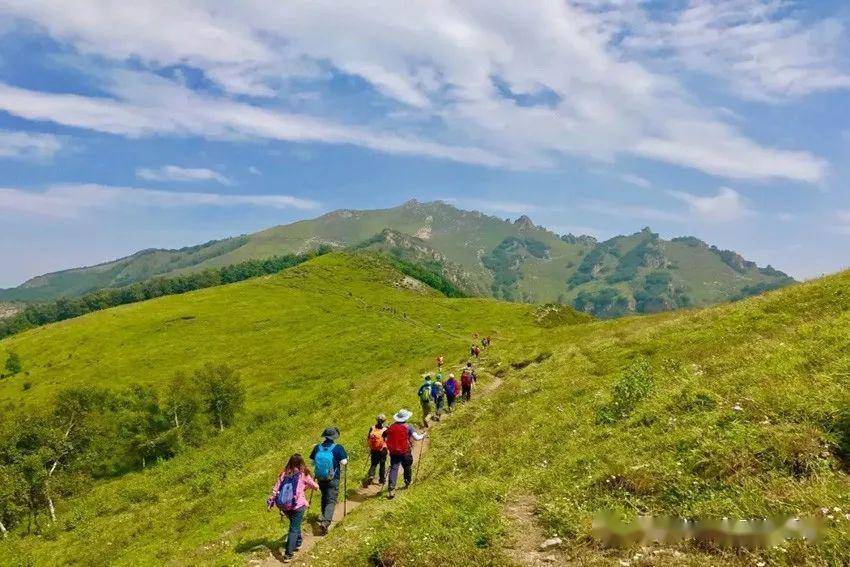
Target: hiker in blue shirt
[[328, 457]]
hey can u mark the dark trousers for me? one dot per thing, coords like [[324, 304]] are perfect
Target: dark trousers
[[451, 401], [406, 463], [330, 491], [466, 392], [378, 460], [293, 538]]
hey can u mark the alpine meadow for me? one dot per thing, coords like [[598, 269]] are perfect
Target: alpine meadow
[[425, 283]]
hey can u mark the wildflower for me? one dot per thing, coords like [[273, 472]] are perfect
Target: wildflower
[[737, 407]]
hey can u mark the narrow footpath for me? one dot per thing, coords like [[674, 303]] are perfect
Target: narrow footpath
[[363, 494]]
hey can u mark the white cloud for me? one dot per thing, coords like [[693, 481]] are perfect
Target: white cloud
[[726, 206], [636, 180], [72, 200], [762, 48], [28, 145], [177, 173], [636, 212], [459, 68], [253, 170]]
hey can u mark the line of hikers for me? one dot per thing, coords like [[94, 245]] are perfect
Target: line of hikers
[[330, 458]]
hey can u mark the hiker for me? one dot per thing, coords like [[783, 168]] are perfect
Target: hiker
[[440, 362], [377, 451], [438, 394], [424, 394], [488, 340], [451, 388], [467, 379], [328, 457], [288, 495], [399, 445]]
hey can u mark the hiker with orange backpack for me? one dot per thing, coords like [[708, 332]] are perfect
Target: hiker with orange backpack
[[400, 436], [377, 451], [467, 379], [440, 362], [288, 495]]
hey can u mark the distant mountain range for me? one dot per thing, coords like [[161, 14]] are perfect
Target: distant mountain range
[[481, 254]]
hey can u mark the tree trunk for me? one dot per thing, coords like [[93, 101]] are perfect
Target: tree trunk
[[220, 423], [52, 509], [176, 422], [3, 529]]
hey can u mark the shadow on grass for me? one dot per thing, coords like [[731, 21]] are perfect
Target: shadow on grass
[[274, 546]]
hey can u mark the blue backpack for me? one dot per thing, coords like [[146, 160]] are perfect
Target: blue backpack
[[324, 461], [287, 492]]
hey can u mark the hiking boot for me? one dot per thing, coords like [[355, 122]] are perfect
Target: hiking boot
[[323, 528], [390, 494], [287, 558]]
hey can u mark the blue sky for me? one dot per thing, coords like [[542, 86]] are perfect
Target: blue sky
[[162, 124]]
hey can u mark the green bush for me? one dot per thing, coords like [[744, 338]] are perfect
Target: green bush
[[634, 385]]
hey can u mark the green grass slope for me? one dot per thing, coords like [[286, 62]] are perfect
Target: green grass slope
[[740, 411], [335, 340]]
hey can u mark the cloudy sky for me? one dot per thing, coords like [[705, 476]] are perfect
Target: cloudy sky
[[129, 125]]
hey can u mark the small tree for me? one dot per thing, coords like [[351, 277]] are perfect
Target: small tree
[[13, 363], [182, 401], [221, 392]]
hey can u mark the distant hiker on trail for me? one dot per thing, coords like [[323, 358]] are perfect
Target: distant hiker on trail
[[424, 394], [488, 340], [467, 379], [438, 394], [327, 459], [475, 351], [399, 438], [377, 451], [440, 361], [288, 495], [451, 387]]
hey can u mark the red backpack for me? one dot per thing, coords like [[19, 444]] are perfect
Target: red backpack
[[466, 378], [398, 439]]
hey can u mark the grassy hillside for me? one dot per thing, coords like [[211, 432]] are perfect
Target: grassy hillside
[[740, 411], [516, 261], [335, 340]]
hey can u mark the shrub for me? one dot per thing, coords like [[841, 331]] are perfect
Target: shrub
[[633, 386]]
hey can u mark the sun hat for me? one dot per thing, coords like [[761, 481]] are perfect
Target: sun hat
[[402, 415], [331, 433], [381, 417]]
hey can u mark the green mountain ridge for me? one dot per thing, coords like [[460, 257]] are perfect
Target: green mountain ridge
[[516, 261]]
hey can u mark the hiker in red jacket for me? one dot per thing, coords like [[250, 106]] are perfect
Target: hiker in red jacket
[[467, 379], [440, 362], [399, 437]]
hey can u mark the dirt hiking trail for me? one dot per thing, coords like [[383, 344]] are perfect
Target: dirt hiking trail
[[362, 494]]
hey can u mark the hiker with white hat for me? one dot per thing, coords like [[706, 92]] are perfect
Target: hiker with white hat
[[399, 438], [377, 451], [328, 457]]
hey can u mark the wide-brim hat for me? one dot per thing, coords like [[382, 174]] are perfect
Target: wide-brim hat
[[402, 415], [381, 417], [331, 433]]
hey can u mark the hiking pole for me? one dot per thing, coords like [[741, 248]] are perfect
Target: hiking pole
[[344, 490], [418, 460]]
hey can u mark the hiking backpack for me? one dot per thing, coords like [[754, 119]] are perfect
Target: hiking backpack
[[425, 392], [376, 439], [325, 462], [437, 390], [466, 378], [287, 492], [398, 439], [451, 387]]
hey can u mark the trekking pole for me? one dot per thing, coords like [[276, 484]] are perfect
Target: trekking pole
[[418, 460], [344, 490]]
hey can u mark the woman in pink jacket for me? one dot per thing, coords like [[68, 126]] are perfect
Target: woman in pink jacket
[[288, 495]]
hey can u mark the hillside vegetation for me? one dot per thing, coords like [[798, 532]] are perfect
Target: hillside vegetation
[[335, 340], [739, 411], [477, 253]]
